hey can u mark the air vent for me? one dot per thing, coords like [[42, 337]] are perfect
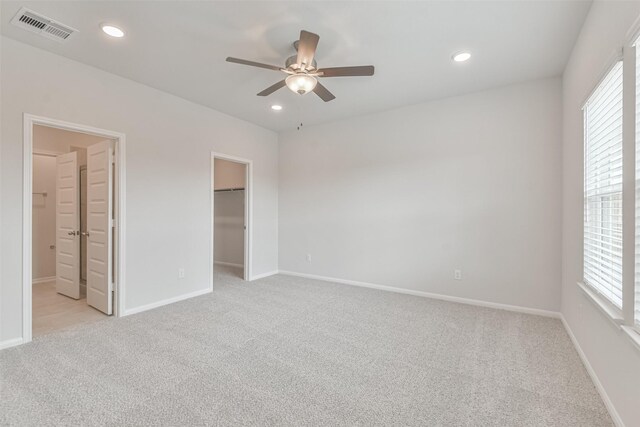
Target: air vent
[[39, 24]]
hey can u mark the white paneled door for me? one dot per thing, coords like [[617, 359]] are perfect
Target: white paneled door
[[67, 226], [100, 226]]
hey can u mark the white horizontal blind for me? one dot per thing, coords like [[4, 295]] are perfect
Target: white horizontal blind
[[637, 269], [603, 188]]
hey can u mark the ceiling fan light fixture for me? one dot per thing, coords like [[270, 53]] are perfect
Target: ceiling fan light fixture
[[301, 83], [276, 107]]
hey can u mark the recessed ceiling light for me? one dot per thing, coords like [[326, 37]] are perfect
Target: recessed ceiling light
[[112, 30], [276, 107], [461, 56]]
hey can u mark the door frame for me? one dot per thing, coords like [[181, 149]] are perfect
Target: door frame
[[248, 211], [29, 121]]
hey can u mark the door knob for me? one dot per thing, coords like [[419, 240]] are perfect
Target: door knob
[[71, 233], [85, 233]]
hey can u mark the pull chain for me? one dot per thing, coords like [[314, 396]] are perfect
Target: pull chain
[[299, 105]]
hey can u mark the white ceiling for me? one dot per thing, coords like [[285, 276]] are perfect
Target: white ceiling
[[180, 47]]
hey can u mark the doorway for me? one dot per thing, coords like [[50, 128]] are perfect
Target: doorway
[[230, 209], [73, 228]]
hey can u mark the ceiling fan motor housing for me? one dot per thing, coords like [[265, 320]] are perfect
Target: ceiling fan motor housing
[[292, 64]]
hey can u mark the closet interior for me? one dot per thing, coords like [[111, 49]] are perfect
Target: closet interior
[[229, 215]]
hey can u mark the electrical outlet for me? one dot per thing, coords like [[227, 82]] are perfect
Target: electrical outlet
[[181, 273], [457, 274], [308, 257]]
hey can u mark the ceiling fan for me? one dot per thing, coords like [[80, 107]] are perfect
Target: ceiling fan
[[303, 71]]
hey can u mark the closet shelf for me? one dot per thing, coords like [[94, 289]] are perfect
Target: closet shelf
[[224, 190]]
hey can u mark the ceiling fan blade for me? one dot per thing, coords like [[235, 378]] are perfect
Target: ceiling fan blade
[[323, 93], [253, 64], [307, 48], [272, 88], [364, 70]]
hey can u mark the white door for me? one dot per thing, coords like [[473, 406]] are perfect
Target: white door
[[100, 226], [67, 227]]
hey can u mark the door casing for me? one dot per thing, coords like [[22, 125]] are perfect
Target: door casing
[[30, 120]]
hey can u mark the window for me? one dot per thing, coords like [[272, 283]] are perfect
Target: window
[[637, 188], [603, 188]]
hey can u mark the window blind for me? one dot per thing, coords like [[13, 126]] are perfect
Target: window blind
[[603, 188], [637, 188]]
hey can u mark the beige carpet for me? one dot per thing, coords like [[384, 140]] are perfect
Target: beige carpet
[[291, 351]]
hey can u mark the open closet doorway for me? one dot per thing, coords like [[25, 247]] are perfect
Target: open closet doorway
[[72, 227], [231, 220]]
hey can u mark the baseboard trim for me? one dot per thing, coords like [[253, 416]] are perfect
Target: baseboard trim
[[468, 301], [263, 275], [594, 377], [167, 301], [11, 343], [228, 264], [43, 280]]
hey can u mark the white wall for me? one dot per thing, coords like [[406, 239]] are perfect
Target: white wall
[[169, 141], [228, 174], [610, 353], [403, 198], [44, 217], [59, 141]]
